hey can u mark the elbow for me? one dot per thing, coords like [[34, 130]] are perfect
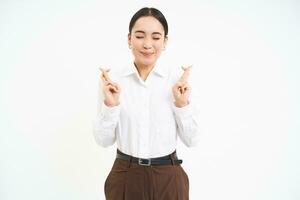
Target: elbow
[[103, 135], [193, 142], [191, 139], [103, 139]]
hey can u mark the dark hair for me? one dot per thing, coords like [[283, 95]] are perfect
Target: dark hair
[[144, 12]]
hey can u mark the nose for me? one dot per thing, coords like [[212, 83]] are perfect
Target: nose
[[147, 44]]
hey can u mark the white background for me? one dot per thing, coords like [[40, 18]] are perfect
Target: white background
[[245, 57]]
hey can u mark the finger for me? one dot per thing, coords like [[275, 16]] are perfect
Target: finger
[[179, 85], [185, 87], [102, 73], [105, 73], [182, 89], [117, 86], [103, 70], [113, 88], [186, 73], [106, 82]]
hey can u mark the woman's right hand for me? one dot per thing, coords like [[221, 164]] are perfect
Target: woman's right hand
[[111, 89]]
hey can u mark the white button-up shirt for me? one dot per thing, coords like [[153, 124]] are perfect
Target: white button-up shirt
[[146, 123]]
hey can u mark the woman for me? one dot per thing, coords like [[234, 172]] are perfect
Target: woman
[[144, 108]]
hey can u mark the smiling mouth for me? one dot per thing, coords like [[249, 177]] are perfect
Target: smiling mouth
[[147, 54]]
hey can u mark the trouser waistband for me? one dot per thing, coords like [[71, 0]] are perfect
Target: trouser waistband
[[170, 159]]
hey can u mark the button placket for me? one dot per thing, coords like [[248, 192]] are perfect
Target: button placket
[[144, 122]]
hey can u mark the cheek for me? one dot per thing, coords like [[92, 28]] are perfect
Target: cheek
[[158, 51], [137, 44], [159, 46]]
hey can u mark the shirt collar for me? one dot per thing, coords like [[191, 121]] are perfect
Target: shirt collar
[[159, 70]]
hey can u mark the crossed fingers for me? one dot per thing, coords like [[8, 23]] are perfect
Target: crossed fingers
[[105, 76], [107, 80], [184, 77]]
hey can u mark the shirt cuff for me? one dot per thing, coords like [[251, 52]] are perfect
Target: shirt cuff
[[110, 113], [183, 112]]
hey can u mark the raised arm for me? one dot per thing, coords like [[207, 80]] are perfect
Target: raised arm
[[105, 123]]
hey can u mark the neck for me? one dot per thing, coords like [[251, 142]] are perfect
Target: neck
[[143, 70]]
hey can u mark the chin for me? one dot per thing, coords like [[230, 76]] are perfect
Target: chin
[[147, 62]]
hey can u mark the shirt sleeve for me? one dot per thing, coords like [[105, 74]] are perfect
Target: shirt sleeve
[[188, 118], [105, 122]]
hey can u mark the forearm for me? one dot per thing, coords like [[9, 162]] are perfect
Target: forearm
[[105, 124], [188, 124]]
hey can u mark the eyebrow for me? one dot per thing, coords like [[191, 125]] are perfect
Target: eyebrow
[[144, 32]]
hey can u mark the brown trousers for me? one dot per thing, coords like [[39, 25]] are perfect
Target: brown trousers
[[130, 181]]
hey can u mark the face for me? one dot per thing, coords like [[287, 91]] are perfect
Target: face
[[147, 40]]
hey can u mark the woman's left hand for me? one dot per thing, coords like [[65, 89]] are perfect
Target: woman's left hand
[[181, 89]]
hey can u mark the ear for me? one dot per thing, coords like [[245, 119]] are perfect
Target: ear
[[129, 39]]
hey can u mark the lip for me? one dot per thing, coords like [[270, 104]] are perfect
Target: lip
[[147, 54]]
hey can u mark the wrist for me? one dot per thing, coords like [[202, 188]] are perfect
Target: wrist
[[181, 104], [111, 104]]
